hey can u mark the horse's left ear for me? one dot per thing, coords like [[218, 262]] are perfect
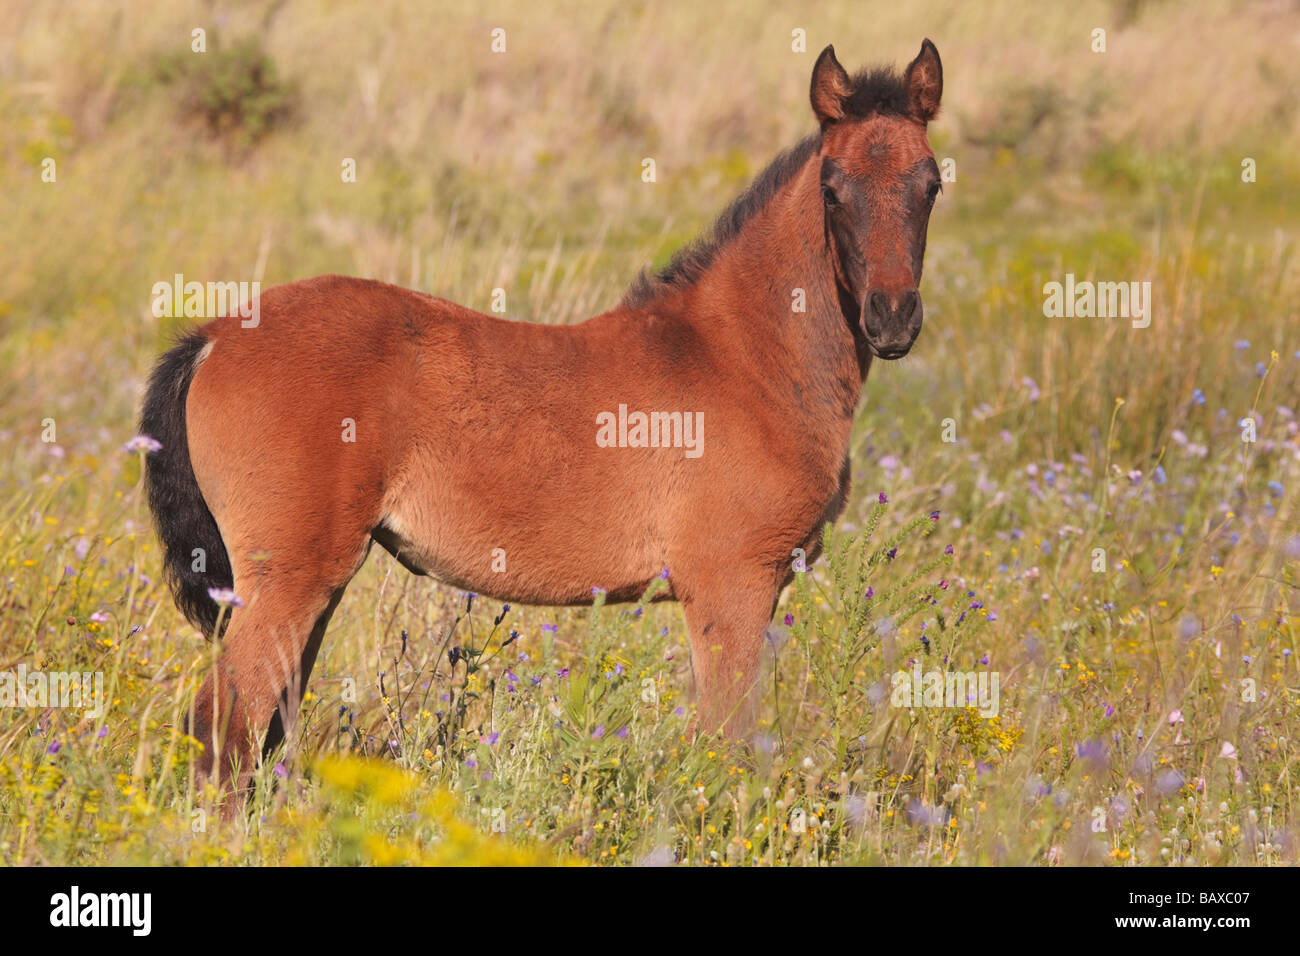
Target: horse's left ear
[[924, 81]]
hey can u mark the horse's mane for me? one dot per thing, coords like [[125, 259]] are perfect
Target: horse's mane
[[879, 90]]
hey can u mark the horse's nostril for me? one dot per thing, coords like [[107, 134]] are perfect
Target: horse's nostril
[[889, 310], [881, 307]]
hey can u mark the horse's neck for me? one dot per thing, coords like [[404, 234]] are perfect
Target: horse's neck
[[778, 264]]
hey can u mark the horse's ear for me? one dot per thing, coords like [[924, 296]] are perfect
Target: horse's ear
[[924, 81], [830, 85]]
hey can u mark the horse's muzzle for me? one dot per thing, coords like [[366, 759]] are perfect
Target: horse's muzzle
[[891, 323]]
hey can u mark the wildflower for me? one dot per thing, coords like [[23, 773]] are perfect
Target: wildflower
[[934, 516], [54, 747], [948, 550], [142, 443], [1169, 781], [663, 575], [492, 739], [891, 553], [226, 597], [622, 733], [883, 498], [1092, 751], [280, 771], [1198, 397], [788, 619], [549, 628], [598, 732], [870, 593], [562, 673]]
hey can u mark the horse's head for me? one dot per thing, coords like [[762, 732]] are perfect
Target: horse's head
[[879, 181]]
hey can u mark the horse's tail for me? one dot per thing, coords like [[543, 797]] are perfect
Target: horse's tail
[[184, 521]]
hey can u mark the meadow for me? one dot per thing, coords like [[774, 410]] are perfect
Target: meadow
[[1101, 514]]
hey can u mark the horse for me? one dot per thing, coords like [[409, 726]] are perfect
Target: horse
[[699, 429]]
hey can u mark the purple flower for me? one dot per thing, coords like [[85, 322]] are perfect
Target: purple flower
[[142, 443], [598, 732], [1169, 781], [280, 771], [663, 575], [884, 498], [870, 593], [492, 739], [54, 747], [789, 619], [1092, 751], [934, 516], [225, 596], [562, 673], [622, 733], [891, 553], [948, 550], [551, 628]]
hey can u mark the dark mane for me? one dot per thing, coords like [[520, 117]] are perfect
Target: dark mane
[[879, 90]]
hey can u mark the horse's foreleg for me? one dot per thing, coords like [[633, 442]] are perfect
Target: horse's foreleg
[[727, 634]]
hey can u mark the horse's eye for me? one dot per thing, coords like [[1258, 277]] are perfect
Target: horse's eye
[[933, 193], [829, 197]]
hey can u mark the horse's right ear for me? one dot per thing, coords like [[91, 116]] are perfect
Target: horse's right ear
[[830, 86]]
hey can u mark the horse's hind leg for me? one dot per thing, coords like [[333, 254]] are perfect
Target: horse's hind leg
[[266, 657], [286, 711]]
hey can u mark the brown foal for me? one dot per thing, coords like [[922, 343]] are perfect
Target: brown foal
[[701, 425]]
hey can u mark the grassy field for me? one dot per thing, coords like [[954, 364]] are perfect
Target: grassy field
[[1099, 532]]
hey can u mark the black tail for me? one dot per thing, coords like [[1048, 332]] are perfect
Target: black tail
[[184, 521]]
